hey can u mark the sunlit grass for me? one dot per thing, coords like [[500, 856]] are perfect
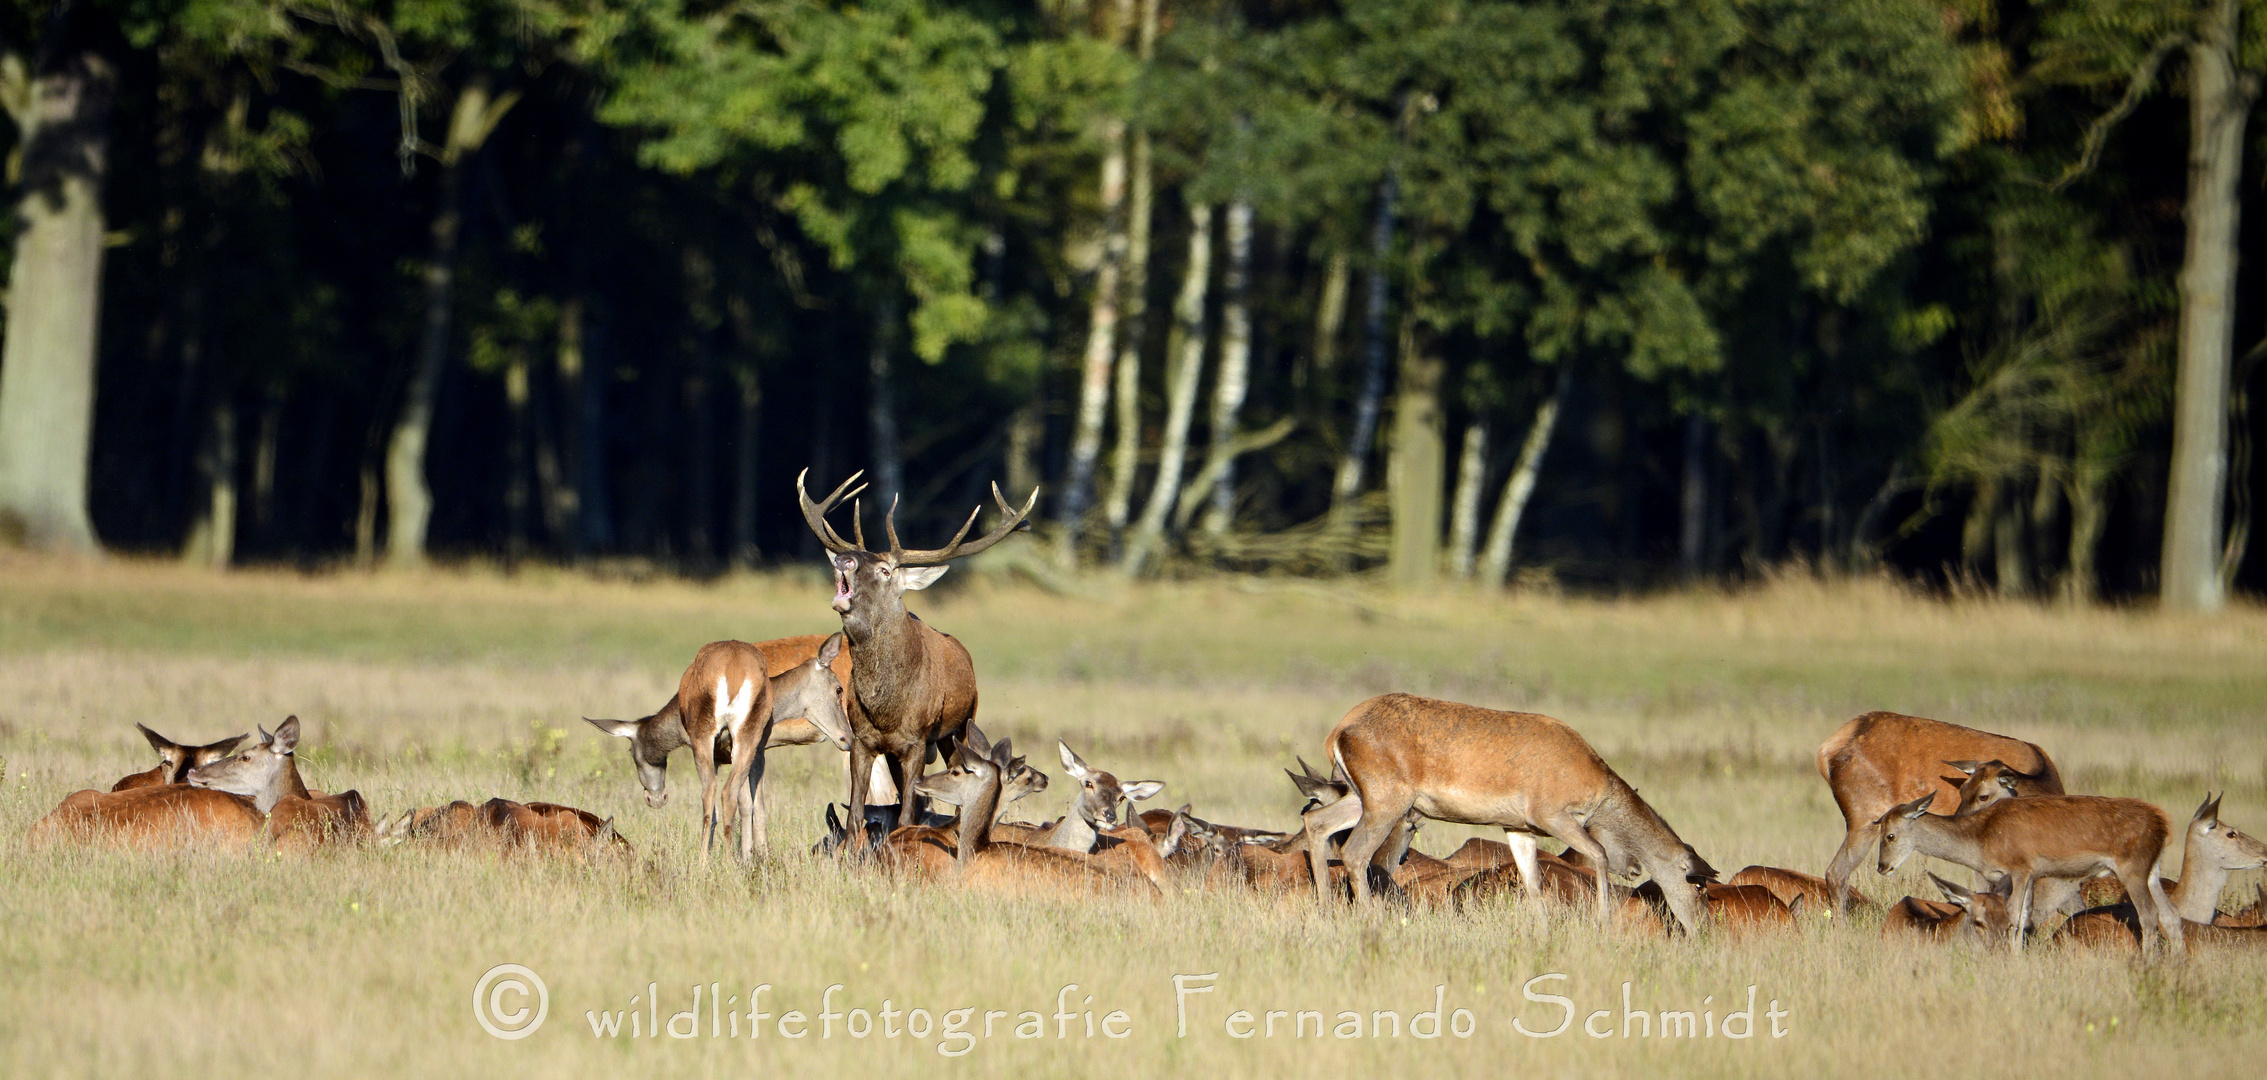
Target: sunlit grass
[[469, 685]]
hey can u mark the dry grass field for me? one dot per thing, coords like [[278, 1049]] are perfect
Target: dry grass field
[[468, 685]]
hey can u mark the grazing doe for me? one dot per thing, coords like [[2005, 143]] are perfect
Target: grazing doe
[[2043, 836], [725, 709], [1527, 774], [1881, 759]]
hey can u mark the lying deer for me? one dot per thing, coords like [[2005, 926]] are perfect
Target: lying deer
[[1978, 918], [1093, 813], [1019, 780], [2043, 836], [174, 760], [1882, 759], [1792, 885], [2212, 850], [164, 816], [915, 687], [725, 709], [1527, 774], [504, 826], [268, 774], [973, 784]]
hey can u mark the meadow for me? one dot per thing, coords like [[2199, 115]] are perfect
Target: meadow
[[416, 689]]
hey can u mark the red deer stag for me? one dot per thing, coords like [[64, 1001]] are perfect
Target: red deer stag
[[1881, 759], [915, 687], [725, 708], [2044, 836], [174, 760], [1529, 775]]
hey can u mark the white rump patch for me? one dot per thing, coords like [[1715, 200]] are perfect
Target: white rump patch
[[731, 708]]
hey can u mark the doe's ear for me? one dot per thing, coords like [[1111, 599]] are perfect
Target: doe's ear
[[158, 742], [1072, 763], [917, 578], [1967, 767], [1141, 789], [623, 729], [830, 648], [287, 735]]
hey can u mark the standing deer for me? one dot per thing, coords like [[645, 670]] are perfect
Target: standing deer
[[1529, 775], [725, 708], [915, 687], [2044, 836], [174, 760], [1881, 759]]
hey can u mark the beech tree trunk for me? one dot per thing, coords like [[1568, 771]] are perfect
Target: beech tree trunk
[[1125, 456], [409, 502], [54, 299], [2219, 99], [1692, 504], [212, 532], [1416, 463], [1184, 376]]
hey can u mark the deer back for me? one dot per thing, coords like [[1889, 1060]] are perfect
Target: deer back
[[1881, 759]]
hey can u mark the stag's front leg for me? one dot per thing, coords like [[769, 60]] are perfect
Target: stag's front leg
[[909, 770]]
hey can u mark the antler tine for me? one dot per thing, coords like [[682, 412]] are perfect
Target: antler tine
[[1015, 520], [858, 520], [889, 526], [815, 514]]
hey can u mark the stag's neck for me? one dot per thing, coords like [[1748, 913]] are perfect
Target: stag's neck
[[2197, 894], [884, 653], [976, 820]]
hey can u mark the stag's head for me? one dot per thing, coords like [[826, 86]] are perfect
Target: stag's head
[[870, 587]]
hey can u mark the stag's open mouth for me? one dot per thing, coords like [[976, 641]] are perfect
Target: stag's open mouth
[[841, 589]]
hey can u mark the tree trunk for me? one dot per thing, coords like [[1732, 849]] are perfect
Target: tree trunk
[[881, 408], [1125, 456], [409, 502], [1416, 465], [212, 535], [515, 459], [54, 298], [745, 551], [1184, 377], [594, 517], [264, 453], [2089, 518], [1495, 566], [1330, 310], [1692, 504], [1372, 393], [1027, 435], [1464, 515], [1233, 380], [2219, 99], [1101, 345]]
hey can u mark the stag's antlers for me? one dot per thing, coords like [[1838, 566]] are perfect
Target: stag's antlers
[[814, 515]]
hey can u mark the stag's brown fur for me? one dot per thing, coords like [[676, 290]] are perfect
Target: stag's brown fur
[[1881, 759]]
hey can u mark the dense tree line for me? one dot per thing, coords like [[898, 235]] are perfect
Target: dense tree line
[[1626, 290]]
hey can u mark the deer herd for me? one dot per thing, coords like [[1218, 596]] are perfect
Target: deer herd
[[896, 695]]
